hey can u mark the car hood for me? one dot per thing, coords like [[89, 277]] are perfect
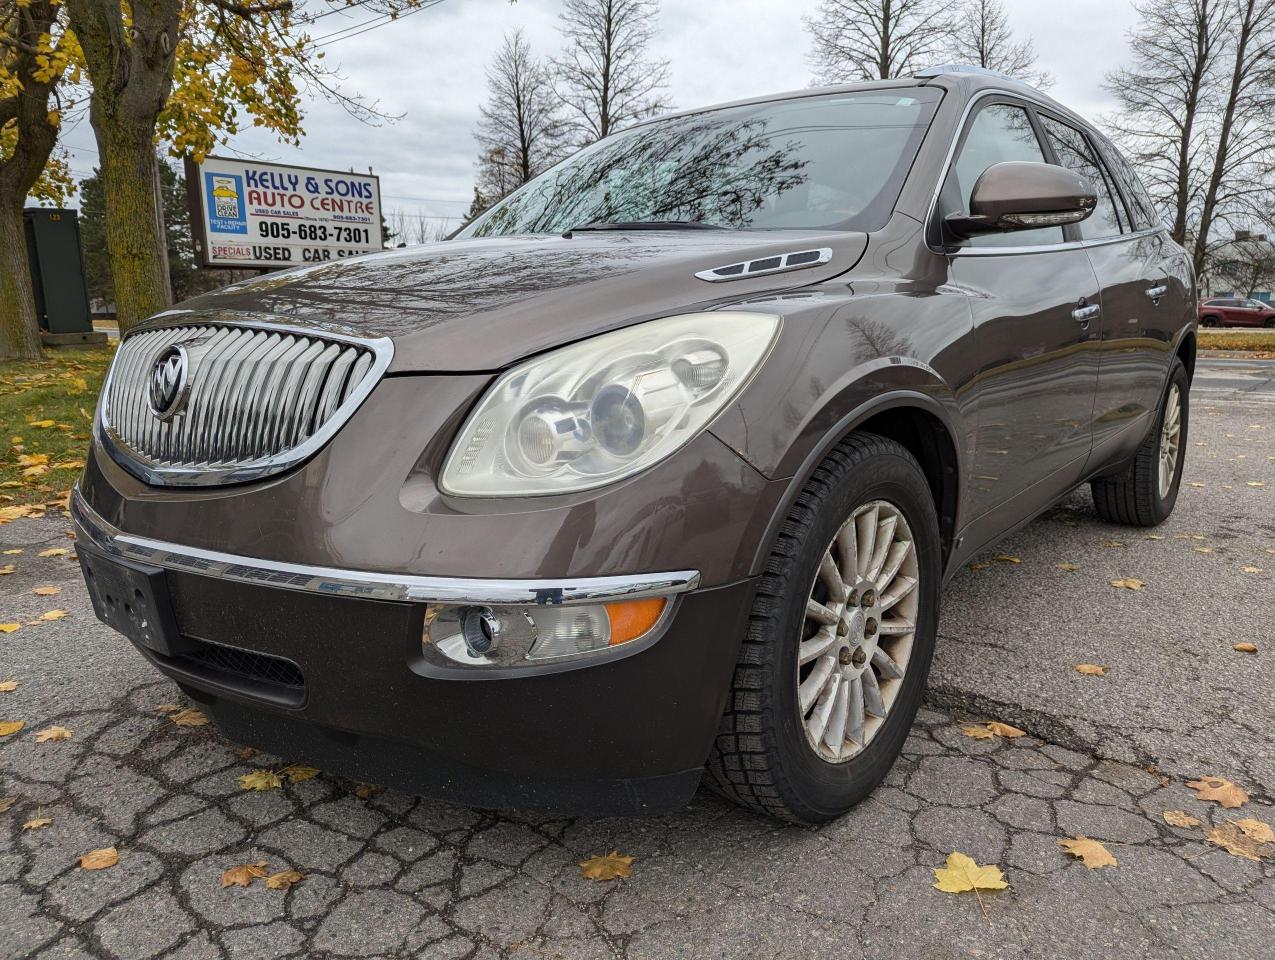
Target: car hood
[[468, 305]]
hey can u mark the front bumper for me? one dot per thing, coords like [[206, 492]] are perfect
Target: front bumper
[[324, 665]]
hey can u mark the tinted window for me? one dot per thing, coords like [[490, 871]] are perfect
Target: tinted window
[[1074, 152], [807, 163], [998, 133], [1137, 199]]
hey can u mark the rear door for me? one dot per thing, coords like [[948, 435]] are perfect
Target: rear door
[[1034, 298], [1141, 299]]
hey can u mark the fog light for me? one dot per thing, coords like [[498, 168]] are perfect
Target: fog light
[[506, 636]]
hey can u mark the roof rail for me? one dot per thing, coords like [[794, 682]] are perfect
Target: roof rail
[[941, 68]]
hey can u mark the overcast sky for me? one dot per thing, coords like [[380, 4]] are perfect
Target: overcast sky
[[429, 68]]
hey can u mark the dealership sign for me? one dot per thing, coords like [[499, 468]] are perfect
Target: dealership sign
[[249, 214]]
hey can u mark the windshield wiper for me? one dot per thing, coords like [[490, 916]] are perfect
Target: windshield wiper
[[646, 225]]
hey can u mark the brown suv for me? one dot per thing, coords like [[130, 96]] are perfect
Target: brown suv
[[659, 466]]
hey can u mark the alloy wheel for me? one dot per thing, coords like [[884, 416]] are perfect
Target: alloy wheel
[[1170, 439], [858, 631]]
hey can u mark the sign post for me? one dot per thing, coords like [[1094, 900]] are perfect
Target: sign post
[[247, 214]]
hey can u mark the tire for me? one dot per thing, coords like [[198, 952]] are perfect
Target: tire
[[1270, 323], [1138, 498], [1209, 321], [765, 757]]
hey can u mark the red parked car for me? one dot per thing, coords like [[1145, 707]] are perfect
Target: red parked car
[[1236, 312]]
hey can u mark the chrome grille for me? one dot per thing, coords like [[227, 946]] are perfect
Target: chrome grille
[[261, 399]]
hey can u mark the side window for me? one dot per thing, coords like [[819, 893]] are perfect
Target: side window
[[1074, 153], [998, 133], [1143, 211]]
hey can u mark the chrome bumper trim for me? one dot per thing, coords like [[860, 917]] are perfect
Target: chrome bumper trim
[[330, 581]]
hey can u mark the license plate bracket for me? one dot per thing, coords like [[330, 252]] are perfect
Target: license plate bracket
[[133, 598]]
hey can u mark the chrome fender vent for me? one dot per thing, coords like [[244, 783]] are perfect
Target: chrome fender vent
[[208, 403], [779, 263]]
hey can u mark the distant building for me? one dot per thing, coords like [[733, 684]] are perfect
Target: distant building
[[1242, 267]]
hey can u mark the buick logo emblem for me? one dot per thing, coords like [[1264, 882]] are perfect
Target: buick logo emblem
[[170, 383]]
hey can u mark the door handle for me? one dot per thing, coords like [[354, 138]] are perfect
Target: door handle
[[1155, 293], [1085, 314]]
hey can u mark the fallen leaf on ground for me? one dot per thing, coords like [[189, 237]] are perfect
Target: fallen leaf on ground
[[1195, 484], [284, 879], [366, 791], [1179, 818], [1155, 536], [295, 772], [53, 615], [6, 803], [1203, 549], [167, 708], [47, 591], [53, 734], [53, 552], [1069, 567], [246, 753], [1093, 853], [7, 569], [1259, 831], [962, 873], [8, 727], [190, 718], [37, 823], [32, 459], [1245, 647], [100, 859], [1006, 558], [41, 424], [243, 875], [1091, 670], [1256, 483], [1236, 842], [13, 553], [613, 865], [8, 686], [1219, 790], [1111, 543], [980, 566], [9, 627], [260, 780], [1251, 569], [994, 728], [1128, 583]]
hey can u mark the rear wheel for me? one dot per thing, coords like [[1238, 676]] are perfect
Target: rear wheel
[[1145, 495], [1270, 323], [1209, 321], [839, 640]]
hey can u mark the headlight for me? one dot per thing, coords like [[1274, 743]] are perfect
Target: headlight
[[607, 408]]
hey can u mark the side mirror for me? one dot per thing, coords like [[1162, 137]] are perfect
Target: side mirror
[[1020, 195]]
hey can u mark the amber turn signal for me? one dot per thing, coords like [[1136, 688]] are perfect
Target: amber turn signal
[[631, 619]]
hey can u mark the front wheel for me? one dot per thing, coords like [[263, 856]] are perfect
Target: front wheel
[[839, 640], [1145, 495]]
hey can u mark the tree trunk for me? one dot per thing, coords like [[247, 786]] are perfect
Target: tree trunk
[[19, 329], [135, 234]]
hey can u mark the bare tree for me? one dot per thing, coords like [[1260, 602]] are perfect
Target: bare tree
[[1162, 97], [1238, 178], [876, 39], [521, 131], [981, 35], [1194, 112], [605, 77]]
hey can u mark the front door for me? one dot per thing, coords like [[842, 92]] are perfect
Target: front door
[[1037, 320]]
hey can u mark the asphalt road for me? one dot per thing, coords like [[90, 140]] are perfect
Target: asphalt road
[[393, 875]]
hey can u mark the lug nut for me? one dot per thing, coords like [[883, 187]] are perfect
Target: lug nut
[[870, 627], [869, 598]]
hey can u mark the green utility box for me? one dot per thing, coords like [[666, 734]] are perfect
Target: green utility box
[[57, 277]]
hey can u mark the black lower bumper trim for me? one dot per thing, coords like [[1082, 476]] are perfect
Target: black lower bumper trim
[[410, 768]]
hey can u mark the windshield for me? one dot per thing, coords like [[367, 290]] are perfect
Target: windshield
[[825, 162]]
